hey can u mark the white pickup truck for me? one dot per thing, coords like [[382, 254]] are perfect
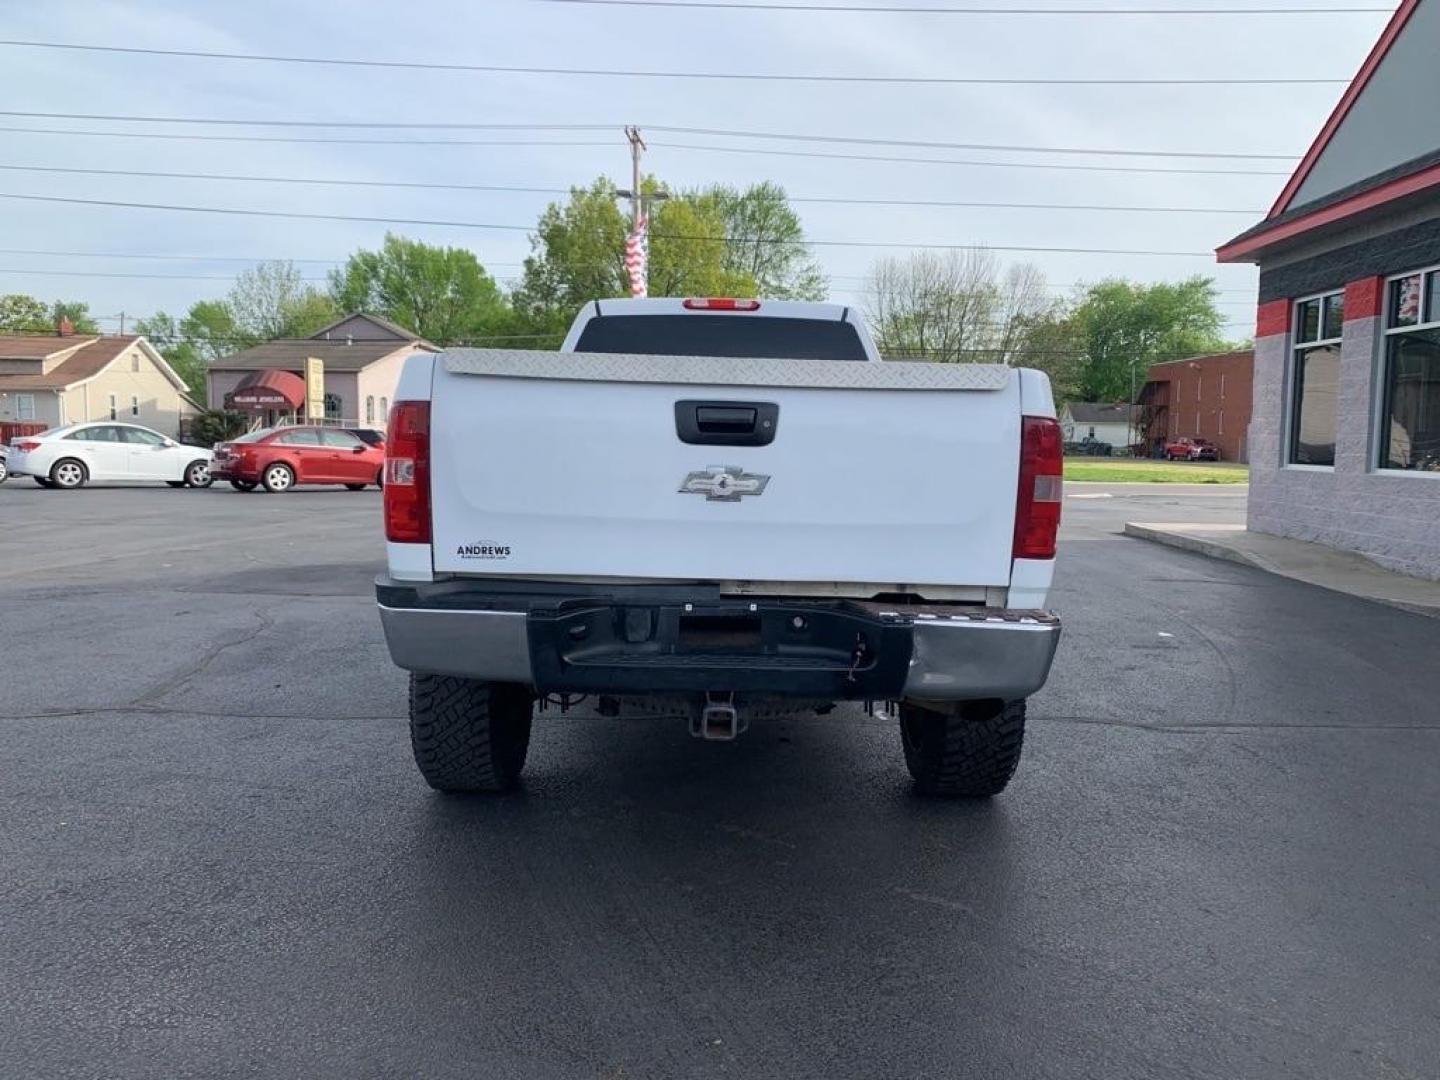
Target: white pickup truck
[[721, 510]]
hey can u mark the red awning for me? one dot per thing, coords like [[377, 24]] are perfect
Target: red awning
[[268, 389]]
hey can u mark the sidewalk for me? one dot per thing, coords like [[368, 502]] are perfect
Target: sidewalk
[[1314, 564]]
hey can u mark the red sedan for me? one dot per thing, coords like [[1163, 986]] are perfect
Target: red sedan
[[280, 458]]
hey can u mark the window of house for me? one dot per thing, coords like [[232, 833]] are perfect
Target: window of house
[[332, 406], [1315, 379], [384, 410], [114, 409], [135, 361], [1409, 436], [370, 409], [134, 405], [24, 406]]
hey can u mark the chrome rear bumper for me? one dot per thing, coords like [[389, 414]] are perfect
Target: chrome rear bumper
[[957, 654]]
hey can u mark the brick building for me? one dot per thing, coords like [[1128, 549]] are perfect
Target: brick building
[[1207, 397], [1345, 434]]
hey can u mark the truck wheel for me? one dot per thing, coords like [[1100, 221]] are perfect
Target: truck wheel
[[469, 735], [971, 754]]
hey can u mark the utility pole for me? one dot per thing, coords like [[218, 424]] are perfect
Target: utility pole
[[637, 148], [122, 324], [637, 243]]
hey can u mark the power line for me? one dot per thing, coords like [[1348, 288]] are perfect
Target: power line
[[666, 128], [734, 76], [190, 137], [926, 145], [147, 255], [668, 146], [981, 164], [867, 9], [147, 277], [335, 262], [150, 174], [127, 205]]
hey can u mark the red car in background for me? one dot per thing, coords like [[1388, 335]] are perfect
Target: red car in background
[[280, 458], [1186, 449]]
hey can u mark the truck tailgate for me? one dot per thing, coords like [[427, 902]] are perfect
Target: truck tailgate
[[572, 465]]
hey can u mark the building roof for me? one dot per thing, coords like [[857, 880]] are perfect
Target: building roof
[[38, 346], [350, 352], [1393, 181], [389, 329], [290, 355], [87, 362], [1097, 412]]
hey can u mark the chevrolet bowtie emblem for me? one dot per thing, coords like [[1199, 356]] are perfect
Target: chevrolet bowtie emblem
[[723, 483]]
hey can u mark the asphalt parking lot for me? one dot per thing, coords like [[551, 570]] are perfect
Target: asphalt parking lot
[[1220, 857]]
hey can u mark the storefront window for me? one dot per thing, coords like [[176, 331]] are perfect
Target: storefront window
[[1410, 420], [1405, 301], [1315, 381]]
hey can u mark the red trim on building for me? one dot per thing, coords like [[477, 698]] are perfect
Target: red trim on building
[[1356, 204], [1363, 298], [1272, 318], [1347, 102]]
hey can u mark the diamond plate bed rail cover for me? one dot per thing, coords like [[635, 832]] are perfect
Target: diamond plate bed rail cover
[[726, 371]]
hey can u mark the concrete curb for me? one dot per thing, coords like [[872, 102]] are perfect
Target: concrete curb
[[1335, 582]]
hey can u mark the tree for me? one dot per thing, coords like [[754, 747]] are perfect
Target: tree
[[578, 256], [20, 314], [443, 294], [268, 301], [183, 355], [954, 306], [716, 241], [765, 241], [78, 313], [1125, 326], [271, 300]]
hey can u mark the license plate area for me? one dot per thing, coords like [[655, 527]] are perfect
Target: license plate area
[[701, 633], [821, 649]]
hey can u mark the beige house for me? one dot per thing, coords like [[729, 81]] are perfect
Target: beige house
[[56, 379], [362, 357]]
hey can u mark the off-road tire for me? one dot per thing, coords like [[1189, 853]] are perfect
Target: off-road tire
[[67, 474], [469, 735], [273, 481], [969, 754], [356, 487]]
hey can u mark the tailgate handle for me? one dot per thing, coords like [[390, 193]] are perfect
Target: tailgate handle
[[726, 423]]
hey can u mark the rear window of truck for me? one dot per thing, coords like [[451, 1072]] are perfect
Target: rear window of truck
[[722, 335]]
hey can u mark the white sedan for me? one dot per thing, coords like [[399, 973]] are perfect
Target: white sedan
[[72, 456]]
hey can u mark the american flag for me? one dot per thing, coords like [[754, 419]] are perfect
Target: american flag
[[637, 257]]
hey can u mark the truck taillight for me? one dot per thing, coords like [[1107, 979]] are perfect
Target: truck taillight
[[1037, 508], [407, 474], [720, 303]]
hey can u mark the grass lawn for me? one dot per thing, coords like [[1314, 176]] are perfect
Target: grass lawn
[[1133, 471]]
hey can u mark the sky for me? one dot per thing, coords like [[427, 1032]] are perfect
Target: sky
[[210, 249]]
